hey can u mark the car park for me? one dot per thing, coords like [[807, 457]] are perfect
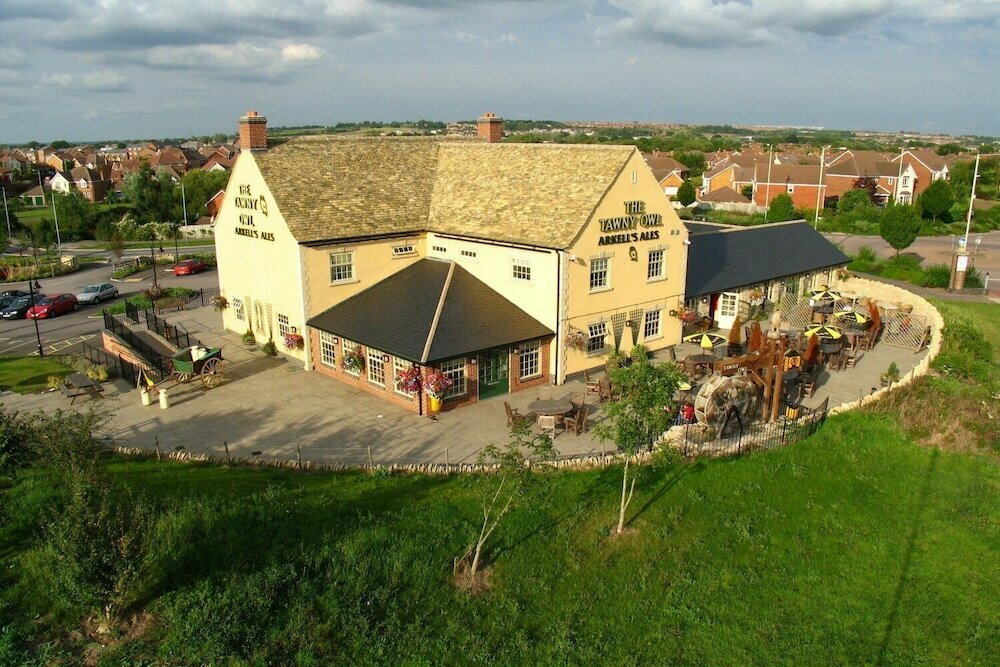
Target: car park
[[97, 293], [52, 306], [189, 267], [19, 307]]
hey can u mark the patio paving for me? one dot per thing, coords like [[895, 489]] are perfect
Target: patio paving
[[270, 405]]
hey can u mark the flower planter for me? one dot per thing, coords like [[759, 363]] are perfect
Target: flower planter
[[435, 404]]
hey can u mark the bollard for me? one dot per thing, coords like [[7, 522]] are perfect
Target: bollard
[[164, 399]]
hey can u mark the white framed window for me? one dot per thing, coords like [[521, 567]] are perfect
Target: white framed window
[[651, 325], [469, 253], [454, 369], [727, 304], [341, 267], [655, 270], [328, 349], [376, 367], [241, 315], [529, 360], [348, 347], [906, 180], [284, 326], [520, 268], [597, 337], [403, 250], [439, 248], [400, 366], [600, 274]]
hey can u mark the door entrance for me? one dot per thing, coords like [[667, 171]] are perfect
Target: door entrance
[[493, 373], [729, 303]]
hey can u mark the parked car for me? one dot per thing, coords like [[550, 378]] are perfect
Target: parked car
[[19, 307], [10, 296], [13, 292], [51, 306], [97, 293], [189, 267]]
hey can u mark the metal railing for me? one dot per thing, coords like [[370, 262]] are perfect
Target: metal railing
[[116, 364], [172, 332], [146, 353], [796, 424]]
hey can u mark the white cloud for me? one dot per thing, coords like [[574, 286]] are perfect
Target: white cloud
[[300, 53], [56, 80], [90, 115], [472, 38], [104, 81]]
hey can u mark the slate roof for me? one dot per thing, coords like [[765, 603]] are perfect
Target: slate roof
[[796, 174], [724, 195], [428, 312], [739, 256], [334, 188], [664, 165]]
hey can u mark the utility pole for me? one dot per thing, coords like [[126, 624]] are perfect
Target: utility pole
[[6, 213], [767, 187], [819, 187], [56, 216], [972, 199], [184, 203], [152, 260]]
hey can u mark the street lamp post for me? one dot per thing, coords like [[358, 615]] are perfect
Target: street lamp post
[[38, 335], [152, 259]]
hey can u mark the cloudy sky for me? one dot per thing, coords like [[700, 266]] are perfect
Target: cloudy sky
[[100, 69]]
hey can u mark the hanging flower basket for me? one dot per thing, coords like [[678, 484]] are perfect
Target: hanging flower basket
[[220, 302], [436, 384], [576, 340], [755, 297], [688, 316], [293, 341], [353, 361], [409, 380]]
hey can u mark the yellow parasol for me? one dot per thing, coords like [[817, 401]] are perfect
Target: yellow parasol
[[824, 293], [824, 331], [705, 340], [851, 317]]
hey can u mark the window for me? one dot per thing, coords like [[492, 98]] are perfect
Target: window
[[600, 270], [727, 304], [258, 314], [238, 309], [468, 253], [906, 180], [400, 366], [521, 268], [655, 270], [403, 250], [341, 267], [530, 360], [284, 327], [376, 367], [455, 371], [598, 334], [635, 176], [651, 325], [328, 349], [439, 248]]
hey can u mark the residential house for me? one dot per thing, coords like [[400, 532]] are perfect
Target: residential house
[[723, 196], [214, 204], [927, 167], [62, 182], [800, 182], [670, 173], [34, 197], [844, 170], [735, 172]]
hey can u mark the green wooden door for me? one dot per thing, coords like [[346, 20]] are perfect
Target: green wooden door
[[493, 373]]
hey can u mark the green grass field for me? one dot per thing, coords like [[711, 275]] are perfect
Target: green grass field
[[27, 375]]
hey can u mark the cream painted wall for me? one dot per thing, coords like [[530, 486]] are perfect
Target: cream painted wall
[[373, 262], [255, 269], [493, 264], [630, 290]]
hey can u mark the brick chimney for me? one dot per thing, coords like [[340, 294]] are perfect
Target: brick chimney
[[253, 132], [490, 127]]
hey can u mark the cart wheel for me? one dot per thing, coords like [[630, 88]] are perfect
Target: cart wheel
[[211, 373]]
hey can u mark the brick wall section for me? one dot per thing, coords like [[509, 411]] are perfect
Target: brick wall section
[[489, 127], [116, 347], [422, 406], [803, 196], [253, 132]]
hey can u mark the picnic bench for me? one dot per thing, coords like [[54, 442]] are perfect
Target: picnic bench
[[78, 384]]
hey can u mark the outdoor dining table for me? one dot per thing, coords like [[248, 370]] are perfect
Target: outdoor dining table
[[554, 407], [828, 350], [78, 384]]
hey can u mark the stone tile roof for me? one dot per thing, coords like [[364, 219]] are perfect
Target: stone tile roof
[[796, 174], [333, 188]]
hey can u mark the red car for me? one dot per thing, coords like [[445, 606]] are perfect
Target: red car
[[51, 306], [189, 267]]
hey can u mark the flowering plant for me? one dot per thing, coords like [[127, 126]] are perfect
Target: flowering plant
[[688, 315], [409, 380], [755, 296], [576, 340], [436, 384], [353, 360], [293, 341], [220, 302]]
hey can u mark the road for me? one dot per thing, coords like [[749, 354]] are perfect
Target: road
[[65, 333], [932, 249]]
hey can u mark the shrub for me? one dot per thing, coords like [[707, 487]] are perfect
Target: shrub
[[97, 372], [16, 436], [965, 352], [269, 348], [867, 254], [973, 278], [936, 275], [248, 338]]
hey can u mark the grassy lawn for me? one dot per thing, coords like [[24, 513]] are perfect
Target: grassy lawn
[[853, 547], [27, 375], [984, 316]]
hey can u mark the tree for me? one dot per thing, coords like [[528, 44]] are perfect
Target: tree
[[693, 160], [76, 215], [117, 245], [899, 226], [854, 200], [199, 187], [152, 196], [867, 183], [936, 199], [781, 208], [685, 193], [518, 464], [639, 416]]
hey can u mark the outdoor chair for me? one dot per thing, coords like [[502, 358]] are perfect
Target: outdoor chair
[[515, 418], [604, 389], [592, 385], [808, 381], [578, 399], [577, 420], [548, 423]]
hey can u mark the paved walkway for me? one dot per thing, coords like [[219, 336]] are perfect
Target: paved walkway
[[270, 405]]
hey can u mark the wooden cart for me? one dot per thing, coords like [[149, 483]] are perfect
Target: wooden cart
[[209, 368]]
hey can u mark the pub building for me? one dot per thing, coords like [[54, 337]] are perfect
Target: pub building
[[502, 265]]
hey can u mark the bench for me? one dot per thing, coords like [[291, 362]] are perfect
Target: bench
[[73, 392]]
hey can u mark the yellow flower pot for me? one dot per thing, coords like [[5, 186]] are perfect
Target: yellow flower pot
[[435, 404]]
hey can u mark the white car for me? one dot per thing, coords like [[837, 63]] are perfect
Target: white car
[[97, 293]]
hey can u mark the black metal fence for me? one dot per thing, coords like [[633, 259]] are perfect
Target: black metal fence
[[796, 424], [172, 332], [147, 354], [131, 312], [205, 295], [116, 364]]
